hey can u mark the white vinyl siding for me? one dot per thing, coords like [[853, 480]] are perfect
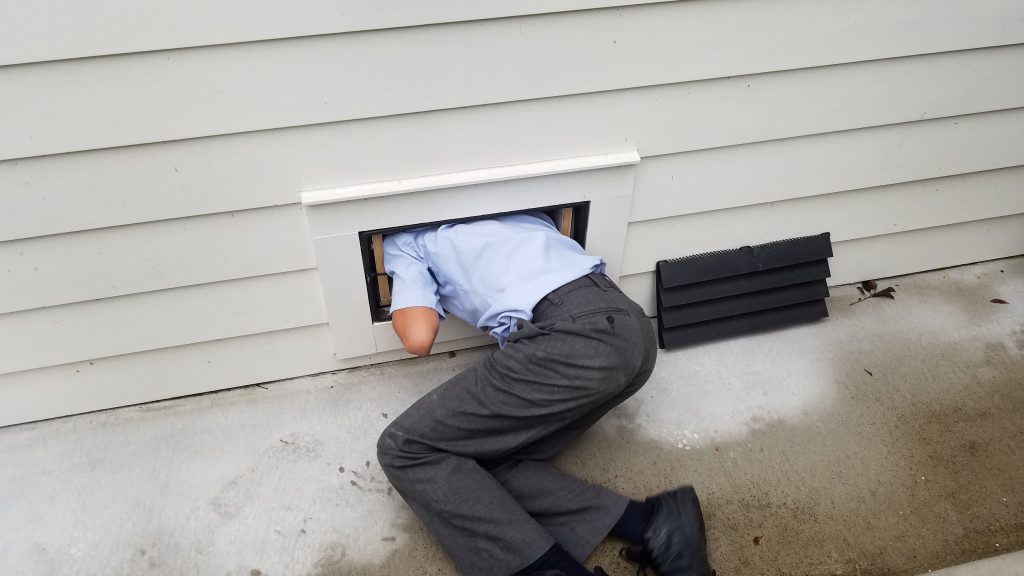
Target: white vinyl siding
[[160, 255], [159, 319], [149, 201], [125, 26], [821, 164], [205, 175], [847, 215], [168, 95]]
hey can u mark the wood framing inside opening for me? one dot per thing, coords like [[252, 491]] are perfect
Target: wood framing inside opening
[[383, 280]]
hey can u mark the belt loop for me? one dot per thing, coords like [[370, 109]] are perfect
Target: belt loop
[[553, 298], [599, 280]]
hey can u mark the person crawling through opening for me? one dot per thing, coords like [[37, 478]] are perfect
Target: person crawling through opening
[[471, 458]]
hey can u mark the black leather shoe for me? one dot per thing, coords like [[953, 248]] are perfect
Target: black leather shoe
[[675, 543]]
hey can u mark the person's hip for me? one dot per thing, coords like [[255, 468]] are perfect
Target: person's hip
[[588, 294]]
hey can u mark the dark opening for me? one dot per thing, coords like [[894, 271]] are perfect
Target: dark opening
[[571, 220]]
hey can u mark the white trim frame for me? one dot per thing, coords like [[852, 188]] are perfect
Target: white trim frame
[[336, 216]]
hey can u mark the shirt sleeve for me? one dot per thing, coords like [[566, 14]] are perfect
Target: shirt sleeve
[[412, 283]]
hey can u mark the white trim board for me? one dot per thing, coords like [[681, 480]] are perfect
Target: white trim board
[[468, 177], [337, 216]]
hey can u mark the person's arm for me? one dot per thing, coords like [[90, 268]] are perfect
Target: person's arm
[[417, 327], [415, 307]]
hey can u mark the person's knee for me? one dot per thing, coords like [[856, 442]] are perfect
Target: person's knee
[[387, 448]]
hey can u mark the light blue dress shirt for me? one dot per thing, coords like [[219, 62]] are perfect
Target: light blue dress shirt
[[489, 272]]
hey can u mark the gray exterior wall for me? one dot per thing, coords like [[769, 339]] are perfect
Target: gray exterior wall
[[151, 239]]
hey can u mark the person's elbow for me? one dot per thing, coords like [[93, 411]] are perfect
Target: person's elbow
[[417, 328], [419, 344]]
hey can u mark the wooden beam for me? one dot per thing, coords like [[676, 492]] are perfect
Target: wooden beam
[[567, 222], [383, 288]]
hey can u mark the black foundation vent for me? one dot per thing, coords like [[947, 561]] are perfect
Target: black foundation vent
[[734, 292]]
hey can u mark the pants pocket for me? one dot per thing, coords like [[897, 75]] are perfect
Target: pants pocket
[[609, 312]]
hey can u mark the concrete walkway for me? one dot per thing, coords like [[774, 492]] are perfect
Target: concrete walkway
[[885, 440]]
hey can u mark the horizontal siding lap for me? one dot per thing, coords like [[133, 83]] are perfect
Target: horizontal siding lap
[[66, 268], [100, 328], [690, 182], [125, 26], [149, 97], [846, 215], [143, 183]]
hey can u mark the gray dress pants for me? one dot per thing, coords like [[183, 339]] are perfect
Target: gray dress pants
[[470, 457]]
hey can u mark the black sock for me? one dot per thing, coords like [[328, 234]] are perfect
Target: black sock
[[556, 558], [633, 522]]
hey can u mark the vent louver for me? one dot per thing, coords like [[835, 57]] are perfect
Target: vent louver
[[734, 292]]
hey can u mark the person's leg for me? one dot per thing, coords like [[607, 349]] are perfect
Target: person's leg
[[665, 530], [578, 514], [429, 454], [528, 399]]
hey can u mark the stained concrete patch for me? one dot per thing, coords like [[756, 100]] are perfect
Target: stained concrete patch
[[913, 467], [885, 440], [921, 487]]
